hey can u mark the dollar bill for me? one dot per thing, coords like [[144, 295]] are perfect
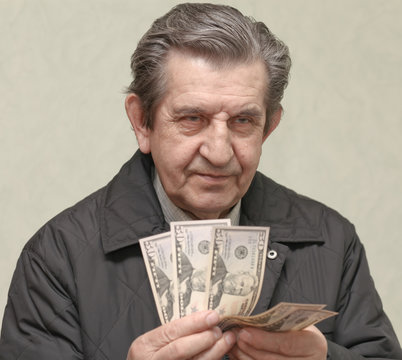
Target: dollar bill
[[157, 254], [236, 270], [282, 317], [191, 242], [209, 265]]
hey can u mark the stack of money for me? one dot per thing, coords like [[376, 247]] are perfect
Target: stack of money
[[209, 264], [282, 317]]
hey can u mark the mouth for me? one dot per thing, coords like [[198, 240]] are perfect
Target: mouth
[[214, 178]]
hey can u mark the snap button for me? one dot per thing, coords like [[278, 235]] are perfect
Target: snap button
[[272, 254]]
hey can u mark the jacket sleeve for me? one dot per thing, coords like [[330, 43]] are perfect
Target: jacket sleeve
[[362, 327], [40, 319]]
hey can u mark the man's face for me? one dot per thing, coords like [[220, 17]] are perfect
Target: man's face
[[238, 284], [208, 132]]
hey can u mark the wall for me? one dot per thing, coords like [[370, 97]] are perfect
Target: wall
[[64, 133]]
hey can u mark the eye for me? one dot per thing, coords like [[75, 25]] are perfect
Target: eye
[[242, 120], [193, 118], [242, 124], [191, 124]]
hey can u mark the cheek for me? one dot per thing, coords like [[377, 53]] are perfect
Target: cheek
[[171, 159], [249, 155], [165, 152]]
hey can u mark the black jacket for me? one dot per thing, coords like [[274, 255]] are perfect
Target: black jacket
[[81, 290]]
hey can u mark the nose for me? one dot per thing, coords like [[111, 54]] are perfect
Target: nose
[[217, 145]]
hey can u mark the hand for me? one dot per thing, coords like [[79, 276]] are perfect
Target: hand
[[193, 337], [253, 344]]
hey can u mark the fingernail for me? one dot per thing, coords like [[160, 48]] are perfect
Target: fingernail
[[217, 332], [212, 318], [229, 338]]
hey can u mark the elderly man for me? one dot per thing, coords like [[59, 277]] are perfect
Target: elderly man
[[206, 94]]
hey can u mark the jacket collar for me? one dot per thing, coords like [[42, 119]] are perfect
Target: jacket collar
[[130, 209], [293, 218]]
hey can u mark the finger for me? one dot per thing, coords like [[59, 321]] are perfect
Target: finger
[[252, 340], [302, 343], [219, 349], [189, 346], [179, 328], [181, 348], [237, 353]]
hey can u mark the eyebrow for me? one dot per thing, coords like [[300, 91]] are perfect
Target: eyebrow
[[252, 111], [188, 110], [185, 110]]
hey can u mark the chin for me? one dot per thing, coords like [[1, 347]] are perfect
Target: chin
[[211, 211]]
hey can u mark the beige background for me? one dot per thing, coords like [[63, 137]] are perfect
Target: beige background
[[64, 133]]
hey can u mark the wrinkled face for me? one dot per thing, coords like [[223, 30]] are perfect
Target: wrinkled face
[[208, 132], [238, 284]]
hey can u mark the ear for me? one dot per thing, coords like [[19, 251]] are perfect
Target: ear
[[135, 113], [275, 120]]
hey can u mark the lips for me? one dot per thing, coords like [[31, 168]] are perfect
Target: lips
[[213, 178]]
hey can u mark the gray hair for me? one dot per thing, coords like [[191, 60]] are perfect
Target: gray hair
[[220, 34]]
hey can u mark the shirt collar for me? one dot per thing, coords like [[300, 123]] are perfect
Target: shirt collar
[[172, 213]]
